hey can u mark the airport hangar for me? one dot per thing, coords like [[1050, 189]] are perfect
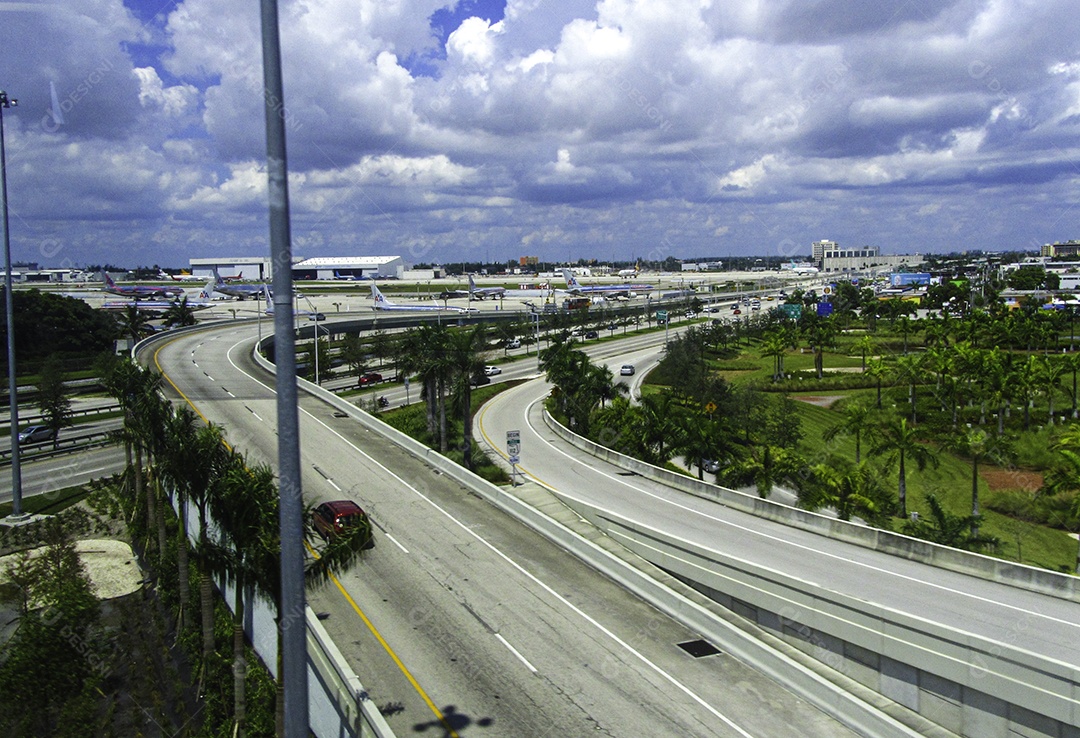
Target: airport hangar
[[260, 268]]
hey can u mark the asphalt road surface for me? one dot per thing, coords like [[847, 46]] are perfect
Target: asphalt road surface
[[484, 628], [1047, 626]]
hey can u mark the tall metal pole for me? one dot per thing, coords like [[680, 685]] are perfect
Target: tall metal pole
[[13, 400], [291, 612]]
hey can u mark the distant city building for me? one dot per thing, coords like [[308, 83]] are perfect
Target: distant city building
[[1061, 249], [818, 249], [829, 256], [528, 261]]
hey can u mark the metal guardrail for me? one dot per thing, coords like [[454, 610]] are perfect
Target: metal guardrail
[[70, 444], [84, 413]]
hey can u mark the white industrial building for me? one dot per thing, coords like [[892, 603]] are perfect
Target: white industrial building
[[253, 268], [350, 267], [260, 268]]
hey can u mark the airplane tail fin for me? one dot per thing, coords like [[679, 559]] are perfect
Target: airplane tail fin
[[379, 298], [571, 280], [107, 279]]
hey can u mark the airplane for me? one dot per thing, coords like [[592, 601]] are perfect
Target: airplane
[[381, 303], [482, 293], [152, 304], [239, 291], [350, 277], [799, 268], [607, 290], [474, 292], [139, 291], [181, 277], [628, 272]]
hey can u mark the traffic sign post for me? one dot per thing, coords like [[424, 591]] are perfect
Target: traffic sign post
[[513, 450]]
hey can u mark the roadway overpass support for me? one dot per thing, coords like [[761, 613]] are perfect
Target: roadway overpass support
[[968, 685]]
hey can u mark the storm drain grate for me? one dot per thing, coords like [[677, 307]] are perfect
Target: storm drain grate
[[699, 648]]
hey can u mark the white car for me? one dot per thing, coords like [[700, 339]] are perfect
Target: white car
[[491, 371], [627, 370]]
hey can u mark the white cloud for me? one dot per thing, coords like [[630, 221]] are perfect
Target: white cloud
[[629, 122]]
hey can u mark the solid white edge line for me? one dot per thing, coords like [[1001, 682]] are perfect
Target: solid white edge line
[[780, 540], [396, 543], [514, 651]]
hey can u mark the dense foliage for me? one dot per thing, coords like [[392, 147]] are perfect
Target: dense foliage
[[47, 323]]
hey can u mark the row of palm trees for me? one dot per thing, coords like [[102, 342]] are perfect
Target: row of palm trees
[[711, 422], [176, 460]]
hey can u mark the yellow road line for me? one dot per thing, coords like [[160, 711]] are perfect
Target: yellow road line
[[404, 670], [374, 631], [165, 376]]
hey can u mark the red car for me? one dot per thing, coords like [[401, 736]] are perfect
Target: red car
[[370, 378], [331, 519]]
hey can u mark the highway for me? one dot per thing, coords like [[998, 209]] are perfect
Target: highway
[[47, 476], [489, 628], [1040, 624]]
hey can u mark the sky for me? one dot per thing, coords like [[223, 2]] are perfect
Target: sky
[[487, 130]]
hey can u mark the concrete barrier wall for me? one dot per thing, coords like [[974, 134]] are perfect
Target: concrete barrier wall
[[895, 544], [1012, 675]]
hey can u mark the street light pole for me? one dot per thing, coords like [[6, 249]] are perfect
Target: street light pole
[[13, 400], [293, 600]]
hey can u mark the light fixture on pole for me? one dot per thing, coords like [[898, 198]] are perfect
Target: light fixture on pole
[[13, 400]]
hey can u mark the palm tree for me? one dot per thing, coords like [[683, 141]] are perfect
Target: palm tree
[[899, 442], [864, 345], [1072, 364], [1064, 476], [661, 422], [979, 446], [774, 345], [1049, 377], [820, 334], [466, 356], [245, 509], [877, 369], [910, 368], [136, 390], [697, 440], [179, 313], [856, 415], [849, 489], [178, 462], [202, 482], [946, 529], [134, 323]]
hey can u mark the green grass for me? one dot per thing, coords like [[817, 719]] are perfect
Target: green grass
[[1022, 541], [49, 504], [412, 421]]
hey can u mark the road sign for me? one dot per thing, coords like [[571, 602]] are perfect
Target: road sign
[[513, 445], [661, 314]]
